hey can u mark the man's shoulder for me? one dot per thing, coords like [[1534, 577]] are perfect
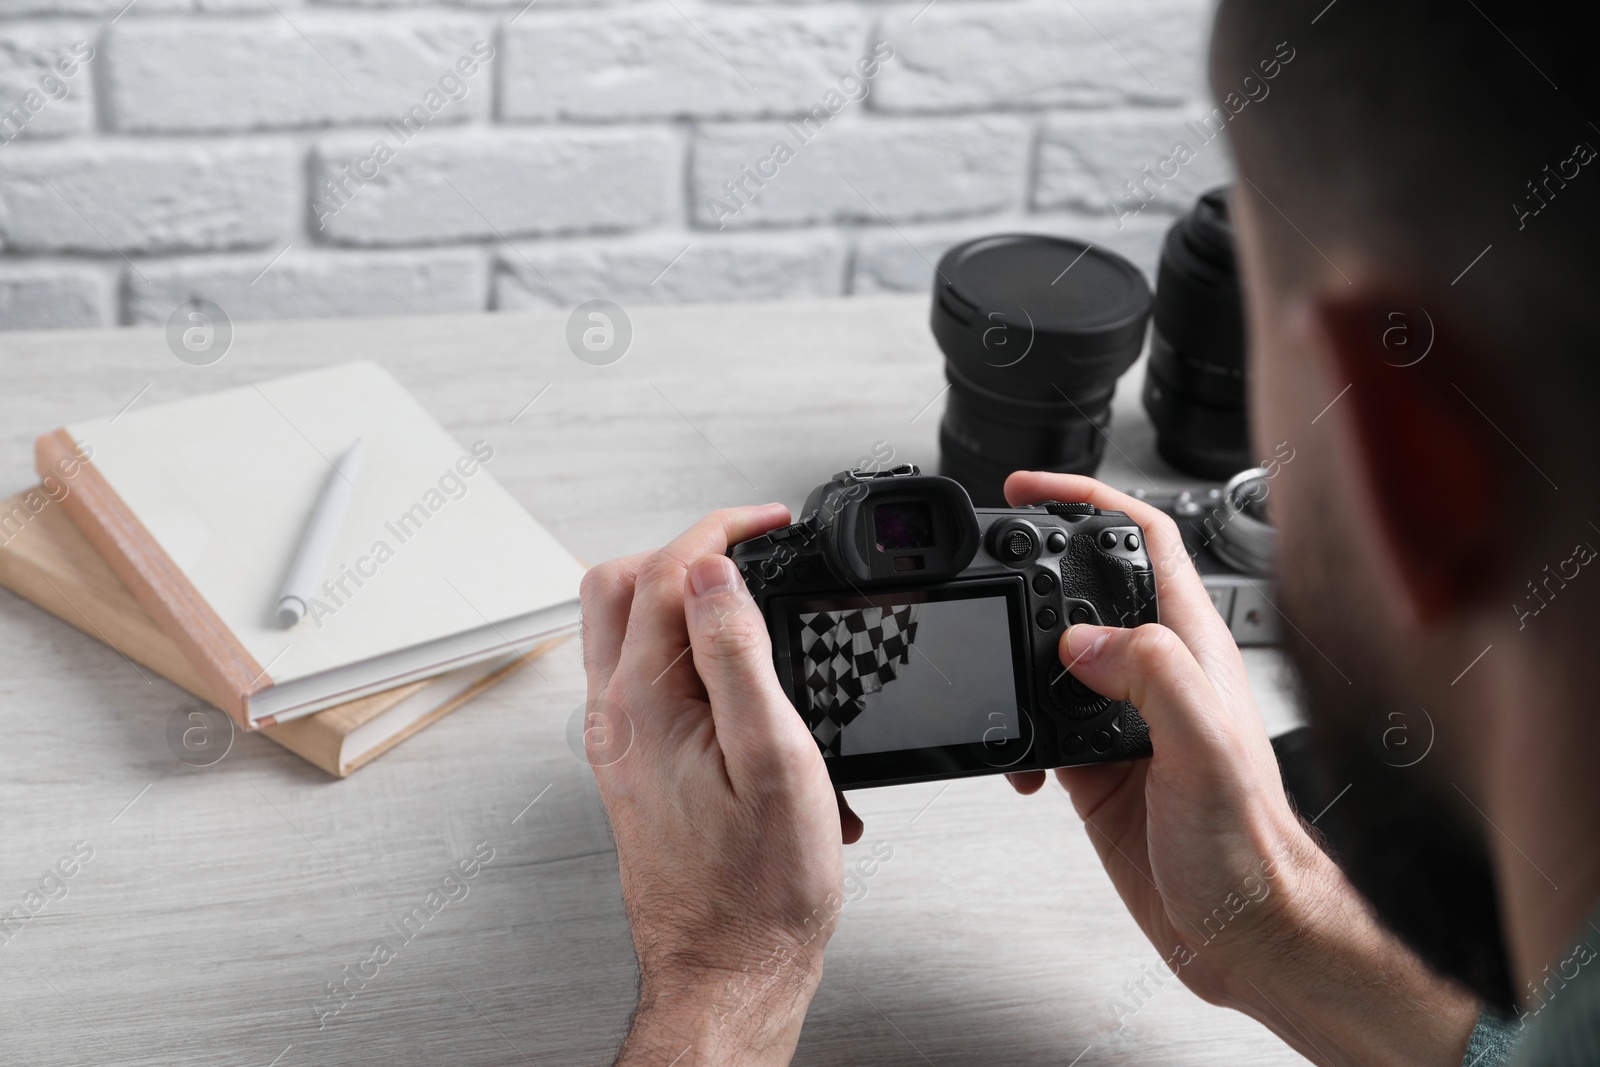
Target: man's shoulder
[[1562, 1025]]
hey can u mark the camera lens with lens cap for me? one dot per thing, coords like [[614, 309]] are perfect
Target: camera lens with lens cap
[[1194, 387], [1035, 331]]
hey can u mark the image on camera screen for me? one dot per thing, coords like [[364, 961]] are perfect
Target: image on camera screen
[[905, 671]]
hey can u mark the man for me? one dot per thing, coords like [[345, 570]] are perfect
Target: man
[[1416, 202]]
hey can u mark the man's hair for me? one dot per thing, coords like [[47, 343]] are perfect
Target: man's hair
[[1445, 142]]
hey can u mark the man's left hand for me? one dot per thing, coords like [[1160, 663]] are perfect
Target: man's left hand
[[727, 827]]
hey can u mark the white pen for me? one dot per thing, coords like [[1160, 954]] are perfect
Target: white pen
[[317, 542]]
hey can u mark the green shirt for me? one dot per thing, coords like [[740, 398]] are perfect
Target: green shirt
[[1560, 1023]]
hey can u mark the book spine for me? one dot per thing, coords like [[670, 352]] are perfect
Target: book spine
[[231, 674]]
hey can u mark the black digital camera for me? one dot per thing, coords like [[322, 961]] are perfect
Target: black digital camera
[[918, 637]]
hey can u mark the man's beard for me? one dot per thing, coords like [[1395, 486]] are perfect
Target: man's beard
[[1406, 841]]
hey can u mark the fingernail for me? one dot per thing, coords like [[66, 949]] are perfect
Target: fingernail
[[713, 575], [1084, 642]]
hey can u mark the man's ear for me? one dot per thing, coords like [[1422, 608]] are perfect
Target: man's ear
[[1416, 447]]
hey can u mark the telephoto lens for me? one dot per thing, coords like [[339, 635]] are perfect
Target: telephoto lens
[[1035, 331], [1194, 386]]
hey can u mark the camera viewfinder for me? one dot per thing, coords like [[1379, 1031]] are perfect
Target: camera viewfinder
[[903, 524]]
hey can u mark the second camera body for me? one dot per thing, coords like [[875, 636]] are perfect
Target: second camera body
[[918, 636], [1232, 545]]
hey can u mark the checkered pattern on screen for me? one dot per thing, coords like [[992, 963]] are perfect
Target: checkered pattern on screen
[[847, 655]]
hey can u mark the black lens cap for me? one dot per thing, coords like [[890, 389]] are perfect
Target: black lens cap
[[1025, 314], [1206, 233]]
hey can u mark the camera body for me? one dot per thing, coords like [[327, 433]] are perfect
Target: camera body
[[1227, 537], [918, 637]]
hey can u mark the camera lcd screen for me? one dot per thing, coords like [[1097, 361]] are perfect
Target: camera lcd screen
[[905, 524], [913, 670]]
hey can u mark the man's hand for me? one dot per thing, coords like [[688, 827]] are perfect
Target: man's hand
[[1204, 847], [726, 825]]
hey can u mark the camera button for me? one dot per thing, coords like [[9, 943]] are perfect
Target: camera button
[[1144, 584], [1072, 744], [1043, 583], [1108, 539], [1014, 541], [1101, 741], [1132, 542], [1047, 618], [804, 572], [1079, 615], [1056, 541]]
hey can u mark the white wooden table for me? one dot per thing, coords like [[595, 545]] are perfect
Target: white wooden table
[[221, 902]]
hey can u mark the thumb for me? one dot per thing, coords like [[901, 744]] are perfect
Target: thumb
[[755, 722], [1150, 667]]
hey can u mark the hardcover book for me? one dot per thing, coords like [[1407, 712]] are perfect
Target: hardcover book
[[199, 505]]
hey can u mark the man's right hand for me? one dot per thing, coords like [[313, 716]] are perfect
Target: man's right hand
[[1204, 847]]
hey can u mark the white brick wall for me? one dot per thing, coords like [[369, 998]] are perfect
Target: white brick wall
[[122, 197], [190, 75], [349, 157]]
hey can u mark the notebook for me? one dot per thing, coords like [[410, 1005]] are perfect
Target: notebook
[[44, 559], [198, 505]]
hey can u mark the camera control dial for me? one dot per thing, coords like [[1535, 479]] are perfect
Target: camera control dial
[[1075, 698]]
